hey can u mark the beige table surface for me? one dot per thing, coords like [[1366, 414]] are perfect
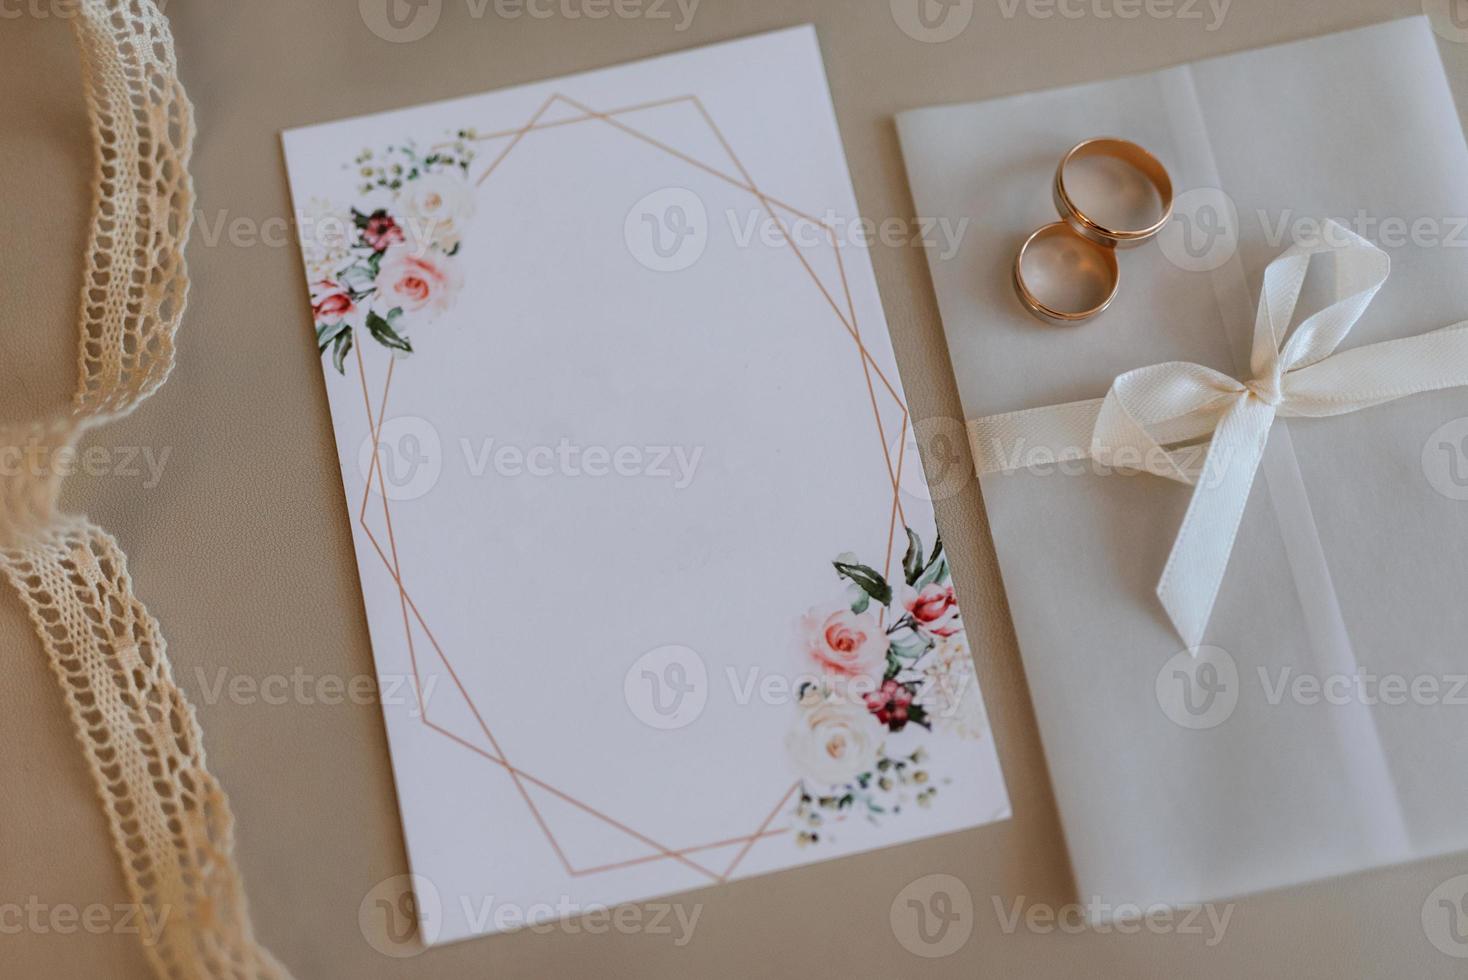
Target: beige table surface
[[241, 548]]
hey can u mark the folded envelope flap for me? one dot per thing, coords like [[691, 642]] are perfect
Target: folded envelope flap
[[1349, 558], [1288, 147]]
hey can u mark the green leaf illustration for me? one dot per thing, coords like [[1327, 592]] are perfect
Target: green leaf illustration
[[912, 562], [937, 569], [909, 645], [328, 332], [384, 332], [869, 579], [341, 346], [362, 220]]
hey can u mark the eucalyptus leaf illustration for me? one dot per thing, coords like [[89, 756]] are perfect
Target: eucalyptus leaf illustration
[[383, 332], [869, 579]]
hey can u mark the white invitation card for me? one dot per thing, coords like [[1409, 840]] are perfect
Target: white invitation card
[[654, 588]]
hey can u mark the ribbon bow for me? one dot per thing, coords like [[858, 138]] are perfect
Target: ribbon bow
[[1151, 411]]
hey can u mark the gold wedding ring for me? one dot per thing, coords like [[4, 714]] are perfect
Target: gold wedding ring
[[1077, 277], [1125, 156], [1067, 271]]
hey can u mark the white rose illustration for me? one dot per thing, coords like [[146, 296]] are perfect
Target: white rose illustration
[[833, 740], [434, 210]]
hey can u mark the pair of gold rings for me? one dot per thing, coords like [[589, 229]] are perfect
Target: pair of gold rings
[[1066, 271]]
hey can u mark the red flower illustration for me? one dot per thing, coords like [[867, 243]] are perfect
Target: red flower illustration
[[381, 232], [890, 704]]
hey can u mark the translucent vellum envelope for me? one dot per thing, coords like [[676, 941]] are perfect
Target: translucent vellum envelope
[[1320, 728]]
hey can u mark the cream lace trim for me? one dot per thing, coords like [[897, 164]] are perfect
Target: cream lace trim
[[170, 820]]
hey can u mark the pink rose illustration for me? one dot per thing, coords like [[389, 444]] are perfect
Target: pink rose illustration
[[330, 302], [415, 282], [934, 609], [846, 643]]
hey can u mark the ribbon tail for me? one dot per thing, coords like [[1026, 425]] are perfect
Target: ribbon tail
[[1378, 373], [1195, 568]]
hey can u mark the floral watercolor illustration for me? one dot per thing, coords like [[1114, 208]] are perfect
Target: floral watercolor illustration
[[386, 263], [893, 667]]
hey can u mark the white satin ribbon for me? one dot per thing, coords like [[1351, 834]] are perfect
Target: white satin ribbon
[[1151, 414]]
